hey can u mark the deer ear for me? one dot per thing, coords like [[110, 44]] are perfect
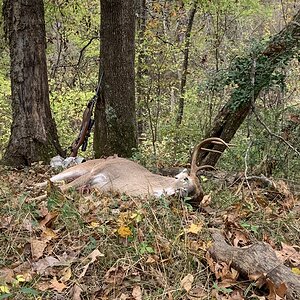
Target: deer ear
[[182, 173]]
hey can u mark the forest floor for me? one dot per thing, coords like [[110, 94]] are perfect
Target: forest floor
[[87, 245]]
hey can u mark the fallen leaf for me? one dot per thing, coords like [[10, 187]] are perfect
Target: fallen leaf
[[92, 257], [152, 259], [206, 200], [197, 293], [94, 225], [114, 275], [48, 219], [240, 238], [37, 248], [137, 292], [194, 228], [186, 282], [41, 265], [296, 271], [27, 225], [124, 231], [7, 275], [66, 274], [76, 292], [236, 295], [56, 285], [276, 292], [5, 222], [48, 234], [43, 286], [290, 254], [4, 289]]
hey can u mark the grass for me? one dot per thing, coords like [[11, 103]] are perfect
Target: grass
[[148, 245]]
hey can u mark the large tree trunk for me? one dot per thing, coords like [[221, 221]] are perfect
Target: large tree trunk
[[33, 132], [115, 128], [251, 74]]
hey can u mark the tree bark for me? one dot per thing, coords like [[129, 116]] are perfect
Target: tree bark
[[185, 63], [251, 74], [258, 258], [33, 131], [115, 122], [140, 68]]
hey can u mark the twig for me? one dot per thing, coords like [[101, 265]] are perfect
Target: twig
[[274, 134], [246, 170]]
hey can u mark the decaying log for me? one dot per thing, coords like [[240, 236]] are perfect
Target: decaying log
[[257, 258]]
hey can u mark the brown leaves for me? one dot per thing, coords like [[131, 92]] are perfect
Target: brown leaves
[[289, 254], [186, 282]]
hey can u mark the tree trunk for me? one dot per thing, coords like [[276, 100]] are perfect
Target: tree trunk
[[185, 64], [251, 74], [33, 132], [140, 68], [115, 128]]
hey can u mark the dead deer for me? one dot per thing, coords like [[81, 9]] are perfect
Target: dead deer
[[125, 176]]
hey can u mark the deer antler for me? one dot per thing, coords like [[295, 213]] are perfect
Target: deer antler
[[200, 147]]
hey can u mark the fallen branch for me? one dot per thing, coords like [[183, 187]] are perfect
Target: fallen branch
[[257, 258]]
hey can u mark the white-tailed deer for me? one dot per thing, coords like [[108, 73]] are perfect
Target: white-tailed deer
[[125, 176]]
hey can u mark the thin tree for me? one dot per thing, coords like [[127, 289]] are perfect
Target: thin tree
[[33, 131], [115, 119], [185, 63], [250, 75]]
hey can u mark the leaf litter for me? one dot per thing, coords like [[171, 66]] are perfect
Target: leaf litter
[[109, 246]]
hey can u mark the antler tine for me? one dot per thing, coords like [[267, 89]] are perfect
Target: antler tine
[[199, 148]]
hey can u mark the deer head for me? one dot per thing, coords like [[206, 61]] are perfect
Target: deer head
[[128, 177]]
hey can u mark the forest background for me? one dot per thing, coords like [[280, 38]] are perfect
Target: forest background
[[221, 33], [88, 245]]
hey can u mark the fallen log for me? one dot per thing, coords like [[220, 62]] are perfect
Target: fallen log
[[258, 258]]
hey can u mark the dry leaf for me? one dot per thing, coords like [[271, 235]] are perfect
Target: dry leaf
[[194, 228], [27, 225], [76, 292], [236, 295], [137, 292], [41, 265], [152, 259], [48, 219], [56, 285], [43, 286], [186, 282], [66, 274], [197, 293], [206, 200], [92, 256], [240, 238], [296, 271], [114, 275], [124, 231], [276, 293], [290, 254], [48, 233], [7, 275], [37, 248]]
